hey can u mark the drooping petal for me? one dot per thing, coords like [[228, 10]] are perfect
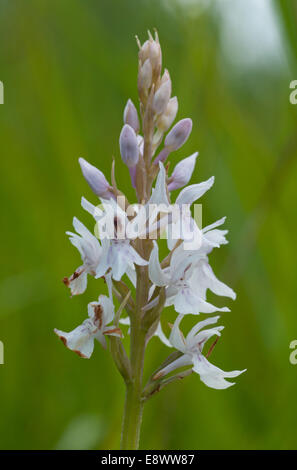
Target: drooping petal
[[77, 282], [187, 302], [108, 309], [211, 375], [159, 195], [119, 265], [80, 340], [160, 334], [155, 271], [176, 338], [203, 278]]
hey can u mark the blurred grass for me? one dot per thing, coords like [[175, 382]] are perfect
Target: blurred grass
[[68, 68]]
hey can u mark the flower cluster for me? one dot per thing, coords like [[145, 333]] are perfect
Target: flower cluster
[[129, 259]]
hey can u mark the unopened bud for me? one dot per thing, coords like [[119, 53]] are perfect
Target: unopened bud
[[163, 94], [129, 146], [167, 118], [151, 50], [178, 134], [145, 77], [182, 172], [95, 179], [131, 116]]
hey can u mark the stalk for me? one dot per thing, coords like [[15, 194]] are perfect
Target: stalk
[[133, 403]]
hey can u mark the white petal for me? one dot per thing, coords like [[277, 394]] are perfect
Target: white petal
[[159, 332], [101, 338], [176, 338], [108, 309], [211, 375], [187, 302], [91, 209], [78, 284], [159, 195], [119, 266], [216, 286], [184, 360], [214, 225], [155, 271], [193, 192], [136, 258], [199, 326], [80, 340]]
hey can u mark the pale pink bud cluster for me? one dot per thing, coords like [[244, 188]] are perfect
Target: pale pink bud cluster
[[151, 51], [129, 146], [95, 179]]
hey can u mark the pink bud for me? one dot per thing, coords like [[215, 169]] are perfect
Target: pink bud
[[163, 94], [95, 179], [182, 172], [129, 146], [145, 77], [131, 116], [151, 50], [167, 118], [178, 134]]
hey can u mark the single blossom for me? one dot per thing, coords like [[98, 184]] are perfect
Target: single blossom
[[118, 255], [181, 224], [187, 279], [96, 326], [90, 251], [191, 348]]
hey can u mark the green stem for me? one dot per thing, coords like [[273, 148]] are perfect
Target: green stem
[[133, 403]]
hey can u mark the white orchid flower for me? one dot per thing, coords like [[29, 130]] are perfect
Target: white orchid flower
[[81, 339], [187, 280], [146, 222], [90, 251], [192, 347], [118, 255], [183, 226]]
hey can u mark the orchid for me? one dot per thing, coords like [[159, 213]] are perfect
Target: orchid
[[124, 250], [192, 347], [81, 339], [187, 279], [90, 251]]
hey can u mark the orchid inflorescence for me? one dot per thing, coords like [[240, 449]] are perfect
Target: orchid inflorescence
[[124, 251]]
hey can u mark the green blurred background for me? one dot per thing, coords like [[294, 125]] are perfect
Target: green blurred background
[[68, 68]]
